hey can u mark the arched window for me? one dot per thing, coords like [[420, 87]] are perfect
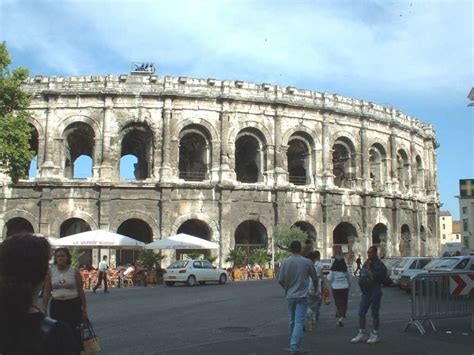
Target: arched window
[[78, 141], [128, 164], [196, 228], [378, 170], [299, 159], [194, 153], [403, 170], [73, 226], [419, 173], [250, 235], [18, 225], [342, 238], [344, 163], [137, 229], [138, 141], [405, 241], [32, 168], [249, 156]]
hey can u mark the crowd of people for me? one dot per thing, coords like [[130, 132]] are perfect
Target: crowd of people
[[302, 278]]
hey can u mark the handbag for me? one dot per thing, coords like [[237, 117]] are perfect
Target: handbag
[[90, 340], [326, 295]]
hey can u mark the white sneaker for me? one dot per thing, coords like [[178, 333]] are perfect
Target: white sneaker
[[374, 338], [360, 337]]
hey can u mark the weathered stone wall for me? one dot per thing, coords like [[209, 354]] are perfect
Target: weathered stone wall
[[160, 111]]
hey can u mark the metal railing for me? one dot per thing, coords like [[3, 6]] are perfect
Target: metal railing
[[297, 180], [192, 175], [439, 295]]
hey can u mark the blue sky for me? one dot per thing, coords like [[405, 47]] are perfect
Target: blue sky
[[416, 56]]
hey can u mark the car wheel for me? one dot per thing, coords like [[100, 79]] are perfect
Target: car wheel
[[202, 282], [169, 283], [223, 279], [191, 280]]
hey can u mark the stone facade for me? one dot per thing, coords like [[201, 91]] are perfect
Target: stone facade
[[226, 161]]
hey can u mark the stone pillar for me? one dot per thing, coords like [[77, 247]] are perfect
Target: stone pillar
[[365, 159], [166, 149], [107, 171], [47, 169], [45, 213], [226, 173], [393, 153], [328, 178], [413, 165], [281, 172], [104, 208]]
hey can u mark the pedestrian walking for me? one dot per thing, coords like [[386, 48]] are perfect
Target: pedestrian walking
[[340, 282], [103, 266], [294, 276], [358, 263], [372, 276], [315, 291]]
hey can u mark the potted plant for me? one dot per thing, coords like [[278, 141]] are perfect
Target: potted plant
[[149, 261], [260, 256], [236, 257]]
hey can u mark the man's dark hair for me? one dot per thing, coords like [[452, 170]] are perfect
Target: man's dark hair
[[339, 264], [374, 248], [315, 255], [295, 246], [104, 257], [24, 261]]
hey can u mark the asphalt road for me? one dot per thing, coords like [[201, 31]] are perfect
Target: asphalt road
[[250, 318]]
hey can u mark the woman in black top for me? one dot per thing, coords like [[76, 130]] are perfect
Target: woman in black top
[[24, 329]]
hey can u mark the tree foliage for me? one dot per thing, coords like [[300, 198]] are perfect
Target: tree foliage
[[284, 235], [260, 256], [236, 257], [149, 260], [15, 131]]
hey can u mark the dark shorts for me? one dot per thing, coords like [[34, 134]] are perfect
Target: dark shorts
[[370, 299]]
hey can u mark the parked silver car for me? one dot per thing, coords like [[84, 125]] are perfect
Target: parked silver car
[[407, 263], [416, 266]]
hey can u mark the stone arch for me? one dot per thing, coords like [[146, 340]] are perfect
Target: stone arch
[[378, 161], [344, 162], [136, 214], [17, 213], [234, 132], [379, 238], [214, 236], [17, 225], [56, 223], [308, 228], [195, 153], [137, 138], [250, 156], [343, 238], [403, 169], [300, 158], [303, 130], [38, 126], [72, 226], [34, 146], [249, 235], [420, 172], [137, 229], [405, 240], [211, 131], [79, 139]]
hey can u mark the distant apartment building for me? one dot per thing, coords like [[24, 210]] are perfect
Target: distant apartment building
[[466, 212], [449, 230]]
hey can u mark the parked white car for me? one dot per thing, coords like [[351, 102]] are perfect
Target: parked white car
[[414, 262], [192, 272]]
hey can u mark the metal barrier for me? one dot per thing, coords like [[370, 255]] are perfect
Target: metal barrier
[[441, 295]]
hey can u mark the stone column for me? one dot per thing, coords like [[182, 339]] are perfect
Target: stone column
[[47, 167], [166, 149], [413, 165], [106, 168], [393, 153], [328, 178], [226, 173], [45, 212], [281, 172], [365, 159]]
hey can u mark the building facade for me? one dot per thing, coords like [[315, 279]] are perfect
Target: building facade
[[466, 212], [450, 230], [226, 161]]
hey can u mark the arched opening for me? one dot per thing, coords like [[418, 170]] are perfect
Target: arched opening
[[308, 229], [83, 167], [378, 171], [137, 229], [344, 163], [250, 235], [379, 238], [128, 164], [299, 162], [196, 228], [403, 170], [405, 240], [18, 225], [73, 226], [79, 141], [249, 156], [342, 239], [194, 154], [138, 141], [32, 168], [422, 241], [419, 172]]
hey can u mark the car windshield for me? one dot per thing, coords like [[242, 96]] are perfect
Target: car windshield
[[178, 264], [432, 263], [448, 263], [326, 261], [403, 262]]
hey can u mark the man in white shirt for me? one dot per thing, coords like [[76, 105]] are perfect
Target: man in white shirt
[[102, 274]]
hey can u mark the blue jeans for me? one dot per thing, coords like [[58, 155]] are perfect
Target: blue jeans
[[313, 308], [371, 298], [297, 308]]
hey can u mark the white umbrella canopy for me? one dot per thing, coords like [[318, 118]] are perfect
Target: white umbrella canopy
[[98, 238], [182, 241]]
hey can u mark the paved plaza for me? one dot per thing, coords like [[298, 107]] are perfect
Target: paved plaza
[[250, 318]]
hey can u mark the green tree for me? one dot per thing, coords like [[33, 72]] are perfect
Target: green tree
[[149, 260], [15, 132], [260, 256], [76, 253], [236, 257], [284, 235]]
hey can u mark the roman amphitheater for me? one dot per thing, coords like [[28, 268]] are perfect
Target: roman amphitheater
[[226, 161]]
